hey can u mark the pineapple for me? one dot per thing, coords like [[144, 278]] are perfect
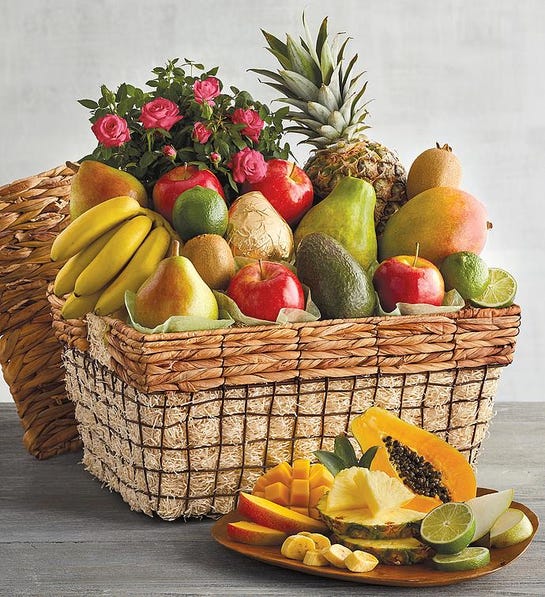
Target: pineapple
[[394, 552], [367, 504], [328, 110]]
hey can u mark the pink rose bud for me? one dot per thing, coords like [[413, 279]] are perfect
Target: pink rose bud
[[248, 165], [160, 113], [251, 119], [205, 91], [215, 157], [169, 151], [201, 133], [111, 130]]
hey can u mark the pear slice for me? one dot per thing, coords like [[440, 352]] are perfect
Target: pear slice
[[487, 509], [513, 526]]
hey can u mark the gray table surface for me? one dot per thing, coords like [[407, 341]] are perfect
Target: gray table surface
[[61, 533]]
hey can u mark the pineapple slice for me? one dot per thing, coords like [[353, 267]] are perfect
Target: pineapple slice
[[358, 488], [382, 492]]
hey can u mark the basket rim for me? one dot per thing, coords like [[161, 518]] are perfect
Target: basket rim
[[383, 321]]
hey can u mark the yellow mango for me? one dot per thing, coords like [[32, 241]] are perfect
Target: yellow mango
[[301, 468], [278, 493], [299, 495], [319, 475]]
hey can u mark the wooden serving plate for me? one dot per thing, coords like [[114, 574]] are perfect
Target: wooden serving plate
[[417, 575]]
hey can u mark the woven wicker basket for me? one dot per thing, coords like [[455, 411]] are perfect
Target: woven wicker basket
[[178, 423], [32, 213]]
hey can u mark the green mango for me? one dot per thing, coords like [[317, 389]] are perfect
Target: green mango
[[348, 215]]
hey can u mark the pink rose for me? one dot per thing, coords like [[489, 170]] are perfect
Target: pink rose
[[111, 130], [205, 91], [201, 133], [215, 156], [248, 165], [169, 151], [160, 113], [251, 119]]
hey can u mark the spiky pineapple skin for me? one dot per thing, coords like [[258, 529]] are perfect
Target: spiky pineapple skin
[[345, 523], [377, 531], [393, 552], [365, 159]]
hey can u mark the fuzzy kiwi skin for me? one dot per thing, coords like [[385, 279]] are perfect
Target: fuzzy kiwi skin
[[212, 258], [435, 167]]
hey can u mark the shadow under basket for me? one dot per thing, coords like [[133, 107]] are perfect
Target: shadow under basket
[[179, 423]]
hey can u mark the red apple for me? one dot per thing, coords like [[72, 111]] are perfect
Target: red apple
[[262, 288], [287, 188], [174, 182], [408, 279]]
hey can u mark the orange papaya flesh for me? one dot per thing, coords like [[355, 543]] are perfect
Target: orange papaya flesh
[[448, 475]]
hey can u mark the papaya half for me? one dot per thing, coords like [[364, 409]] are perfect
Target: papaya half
[[430, 467]]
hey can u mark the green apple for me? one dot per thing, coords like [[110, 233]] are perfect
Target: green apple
[[513, 526], [487, 509]]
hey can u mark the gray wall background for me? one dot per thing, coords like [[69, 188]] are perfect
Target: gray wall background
[[466, 72]]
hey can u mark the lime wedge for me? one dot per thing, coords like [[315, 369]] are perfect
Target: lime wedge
[[449, 528], [500, 290], [468, 559]]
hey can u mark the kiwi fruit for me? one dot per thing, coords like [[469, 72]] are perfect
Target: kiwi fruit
[[212, 258], [435, 167]]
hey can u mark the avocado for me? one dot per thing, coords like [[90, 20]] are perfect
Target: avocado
[[348, 215], [339, 286]]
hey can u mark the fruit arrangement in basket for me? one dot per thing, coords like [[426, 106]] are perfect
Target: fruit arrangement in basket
[[190, 215], [410, 498]]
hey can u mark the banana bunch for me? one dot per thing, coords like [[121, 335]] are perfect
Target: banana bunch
[[110, 248]]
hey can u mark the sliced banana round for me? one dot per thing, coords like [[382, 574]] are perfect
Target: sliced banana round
[[314, 557], [296, 546], [360, 561], [336, 555]]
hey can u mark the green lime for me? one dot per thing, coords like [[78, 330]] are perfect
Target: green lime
[[500, 291], [449, 528], [465, 271], [199, 211], [468, 559]]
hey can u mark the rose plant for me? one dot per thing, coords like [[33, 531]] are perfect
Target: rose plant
[[186, 117]]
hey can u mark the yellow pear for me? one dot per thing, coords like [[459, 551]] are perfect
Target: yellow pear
[[95, 182], [175, 288]]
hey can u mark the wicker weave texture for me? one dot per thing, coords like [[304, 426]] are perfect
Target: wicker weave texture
[[180, 454], [193, 361], [32, 212]]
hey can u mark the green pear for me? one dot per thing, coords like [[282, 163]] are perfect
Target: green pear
[[175, 288], [95, 182], [348, 215]]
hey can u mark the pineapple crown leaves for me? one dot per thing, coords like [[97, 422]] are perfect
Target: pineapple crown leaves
[[315, 80], [344, 456]]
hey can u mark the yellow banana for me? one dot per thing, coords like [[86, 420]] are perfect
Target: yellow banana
[[91, 224], [69, 272], [143, 263], [113, 257], [77, 306], [158, 220]]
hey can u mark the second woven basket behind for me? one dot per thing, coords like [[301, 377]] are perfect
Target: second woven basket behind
[[32, 212]]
